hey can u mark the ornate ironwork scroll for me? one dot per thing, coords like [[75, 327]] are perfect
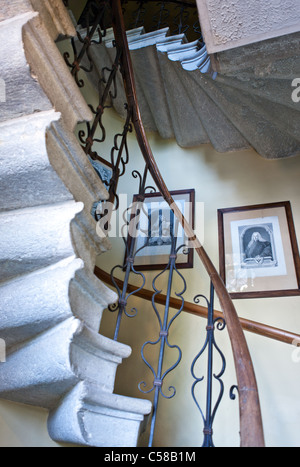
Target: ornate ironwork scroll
[[130, 232], [165, 324], [210, 344]]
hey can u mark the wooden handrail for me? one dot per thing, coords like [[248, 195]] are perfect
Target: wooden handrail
[[251, 427], [254, 327]]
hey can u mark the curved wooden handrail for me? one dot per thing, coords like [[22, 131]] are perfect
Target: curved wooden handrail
[[254, 327], [251, 427]]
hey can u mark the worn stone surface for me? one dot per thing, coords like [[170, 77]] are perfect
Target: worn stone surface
[[51, 303], [41, 237], [91, 417], [23, 94], [13, 8], [26, 175], [233, 23], [259, 56], [181, 96]]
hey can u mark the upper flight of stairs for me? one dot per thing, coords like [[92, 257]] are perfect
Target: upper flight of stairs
[[244, 105]]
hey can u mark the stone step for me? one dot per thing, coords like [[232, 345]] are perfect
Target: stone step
[[41, 237], [26, 177], [150, 38], [264, 136], [23, 95], [25, 312], [278, 91], [89, 297], [287, 120], [222, 134], [148, 74], [181, 109], [89, 416], [260, 57], [34, 374]]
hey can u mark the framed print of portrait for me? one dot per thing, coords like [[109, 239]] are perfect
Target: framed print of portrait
[[259, 254], [153, 243]]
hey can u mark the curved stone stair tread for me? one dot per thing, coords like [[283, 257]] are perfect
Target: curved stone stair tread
[[259, 56], [286, 119], [93, 417], [262, 134], [48, 376], [277, 91], [22, 314], [149, 77], [29, 167], [181, 109], [285, 69], [221, 132], [75, 382], [36, 244], [24, 95]]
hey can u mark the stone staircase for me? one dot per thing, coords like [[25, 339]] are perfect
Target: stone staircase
[[247, 104], [51, 303]]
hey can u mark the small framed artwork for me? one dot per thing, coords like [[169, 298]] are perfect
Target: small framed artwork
[[153, 242], [103, 169], [259, 255], [105, 172]]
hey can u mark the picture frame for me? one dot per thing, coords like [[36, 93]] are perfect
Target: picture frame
[[104, 170], [259, 255], [152, 249]]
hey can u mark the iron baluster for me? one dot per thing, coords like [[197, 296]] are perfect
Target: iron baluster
[[161, 16], [211, 346], [90, 139], [163, 338], [87, 41], [139, 14], [181, 20], [135, 212]]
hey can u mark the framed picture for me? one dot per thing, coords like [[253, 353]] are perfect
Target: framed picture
[[105, 172], [103, 169], [259, 254], [152, 245]]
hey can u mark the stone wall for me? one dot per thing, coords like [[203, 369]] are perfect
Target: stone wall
[[227, 24]]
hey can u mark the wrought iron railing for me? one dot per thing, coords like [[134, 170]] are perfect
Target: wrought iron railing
[[250, 416], [180, 16]]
